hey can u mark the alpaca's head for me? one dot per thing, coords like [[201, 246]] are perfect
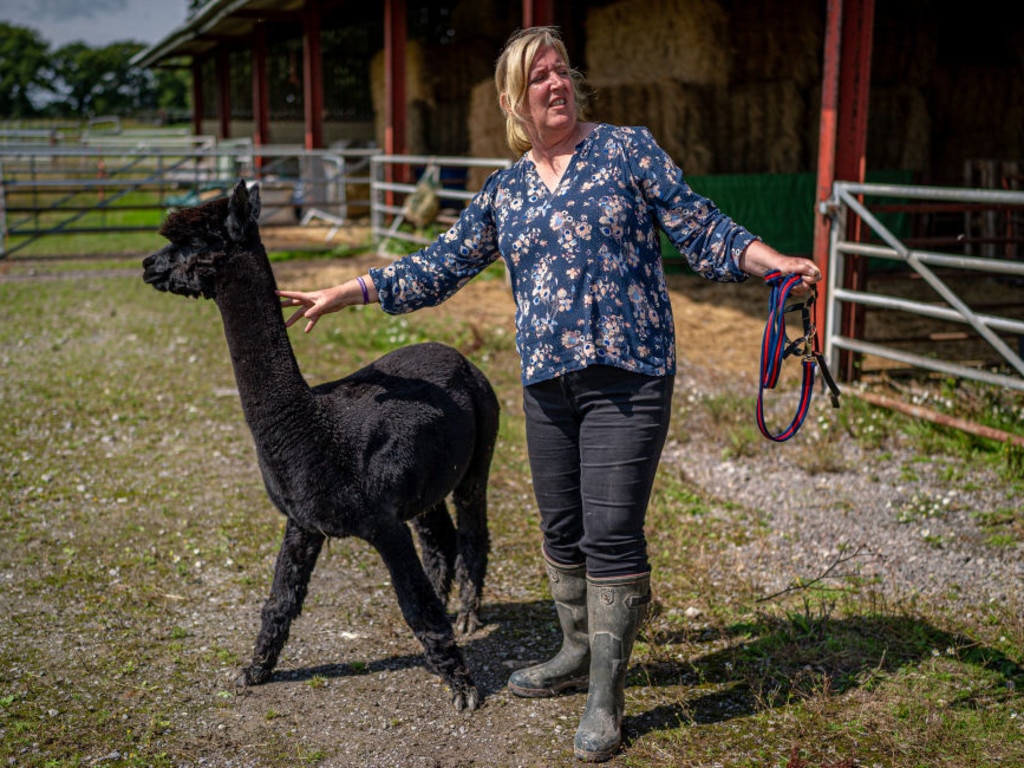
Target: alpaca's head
[[202, 240]]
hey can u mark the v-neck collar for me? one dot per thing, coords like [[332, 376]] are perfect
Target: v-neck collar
[[577, 152]]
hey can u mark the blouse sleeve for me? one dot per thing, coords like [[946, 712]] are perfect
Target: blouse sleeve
[[711, 242], [432, 275]]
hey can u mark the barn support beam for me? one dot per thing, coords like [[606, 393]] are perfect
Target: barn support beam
[[223, 93], [197, 96], [260, 90], [313, 75], [395, 26], [846, 77], [538, 13]]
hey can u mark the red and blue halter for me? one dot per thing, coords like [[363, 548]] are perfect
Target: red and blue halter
[[775, 348]]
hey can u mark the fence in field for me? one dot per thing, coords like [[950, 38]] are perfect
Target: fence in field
[[103, 185], [125, 182]]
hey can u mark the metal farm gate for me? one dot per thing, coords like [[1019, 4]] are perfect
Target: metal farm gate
[[988, 239], [126, 184]]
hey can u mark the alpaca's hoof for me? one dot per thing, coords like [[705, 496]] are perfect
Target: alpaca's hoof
[[254, 675], [467, 623], [468, 698]]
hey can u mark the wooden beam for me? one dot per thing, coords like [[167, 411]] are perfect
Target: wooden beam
[[197, 96]]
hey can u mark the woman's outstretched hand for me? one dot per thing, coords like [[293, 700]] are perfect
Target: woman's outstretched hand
[[311, 304]]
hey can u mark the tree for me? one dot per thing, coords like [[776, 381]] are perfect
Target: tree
[[173, 89], [95, 81], [23, 61]]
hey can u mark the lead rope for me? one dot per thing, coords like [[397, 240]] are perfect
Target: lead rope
[[775, 348]]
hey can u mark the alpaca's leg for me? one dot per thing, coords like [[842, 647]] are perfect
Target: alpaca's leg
[[423, 611], [473, 543], [436, 533], [295, 562]]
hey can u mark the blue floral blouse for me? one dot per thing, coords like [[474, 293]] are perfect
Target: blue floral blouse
[[584, 260]]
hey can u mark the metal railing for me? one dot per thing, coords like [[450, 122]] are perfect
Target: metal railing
[[50, 190], [386, 195], [848, 198]]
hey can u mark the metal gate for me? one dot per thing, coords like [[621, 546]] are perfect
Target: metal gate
[[848, 205], [61, 190]]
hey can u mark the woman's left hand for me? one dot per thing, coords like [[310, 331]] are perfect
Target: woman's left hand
[[760, 259]]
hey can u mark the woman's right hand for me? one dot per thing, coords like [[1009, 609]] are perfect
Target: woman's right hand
[[312, 304]]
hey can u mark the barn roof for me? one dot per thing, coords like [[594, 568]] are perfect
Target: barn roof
[[215, 23]]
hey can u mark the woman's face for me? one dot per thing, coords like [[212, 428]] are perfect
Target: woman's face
[[550, 97]]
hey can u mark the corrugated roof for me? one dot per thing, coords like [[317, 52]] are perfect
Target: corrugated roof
[[212, 24]]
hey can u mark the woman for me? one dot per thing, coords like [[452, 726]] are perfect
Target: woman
[[576, 220]]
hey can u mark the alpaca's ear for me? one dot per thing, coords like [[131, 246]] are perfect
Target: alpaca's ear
[[254, 201], [243, 210]]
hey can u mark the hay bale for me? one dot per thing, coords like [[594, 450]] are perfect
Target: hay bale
[[675, 112], [778, 40], [899, 129], [486, 130], [980, 110], [636, 41], [760, 128], [905, 44], [417, 94]]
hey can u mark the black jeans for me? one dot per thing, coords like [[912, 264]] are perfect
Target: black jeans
[[595, 438]]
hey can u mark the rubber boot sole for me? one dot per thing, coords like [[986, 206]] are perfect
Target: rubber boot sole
[[601, 756], [572, 685]]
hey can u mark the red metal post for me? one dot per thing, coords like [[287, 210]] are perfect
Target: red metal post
[[224, 93], [260, 93], [313, 78], [843, 140], [394, 87], [197, 96], [538, 13]]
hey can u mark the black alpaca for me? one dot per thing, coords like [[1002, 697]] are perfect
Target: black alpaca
[[361, 456]]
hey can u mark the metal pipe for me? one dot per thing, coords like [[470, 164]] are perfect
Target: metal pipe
[[935, 417], [929, 363], [1003, 324]]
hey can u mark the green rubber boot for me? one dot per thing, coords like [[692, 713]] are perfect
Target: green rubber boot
[[567, 670], [616, 608]]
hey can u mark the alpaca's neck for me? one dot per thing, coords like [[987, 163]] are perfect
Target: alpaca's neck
[[270, 384]]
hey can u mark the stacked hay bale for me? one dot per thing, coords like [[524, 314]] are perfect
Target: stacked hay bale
[[657, 63], [419, 100], [721, 93], [902, 70], [760, 127], [486, 130]]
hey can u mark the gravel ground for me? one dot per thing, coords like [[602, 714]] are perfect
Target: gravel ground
[[888, 516]]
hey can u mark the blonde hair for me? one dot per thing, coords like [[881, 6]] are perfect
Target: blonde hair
[[512, 78]]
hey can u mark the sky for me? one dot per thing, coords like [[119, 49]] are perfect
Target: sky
[[96, 22]]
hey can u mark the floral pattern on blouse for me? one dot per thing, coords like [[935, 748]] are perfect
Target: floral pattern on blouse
[[585, 260]]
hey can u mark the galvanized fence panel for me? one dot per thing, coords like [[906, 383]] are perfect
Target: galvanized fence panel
[[848, 199], [388, 197], [49, 189]]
